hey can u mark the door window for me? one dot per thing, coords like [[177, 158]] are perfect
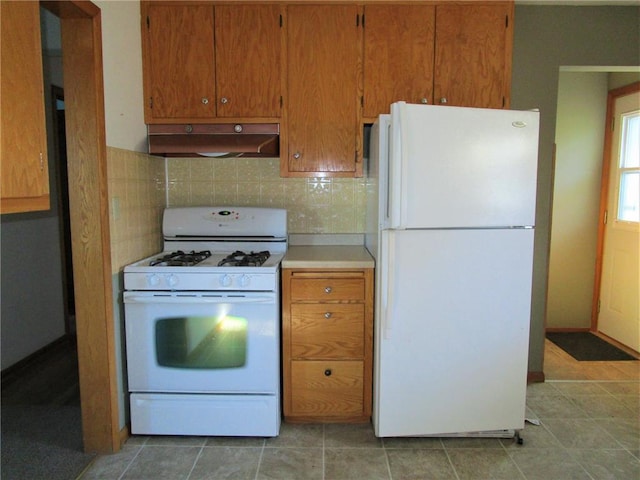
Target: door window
[[629, 169]]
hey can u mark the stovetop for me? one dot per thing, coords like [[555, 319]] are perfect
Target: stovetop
[[207, 261]]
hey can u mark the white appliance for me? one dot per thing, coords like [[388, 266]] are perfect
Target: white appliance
[[202, 324], [451, 225]]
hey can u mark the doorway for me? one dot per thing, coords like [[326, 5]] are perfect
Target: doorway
[[616, 291], [81, 34], [60, 146]]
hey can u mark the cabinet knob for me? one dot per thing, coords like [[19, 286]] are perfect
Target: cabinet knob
[[328, 289], [424, 100], [443, 100], [297, 155], [327, 372], [224, 100], [205, 100], [327, 315]]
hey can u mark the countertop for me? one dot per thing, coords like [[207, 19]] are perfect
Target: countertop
[[327, 256]]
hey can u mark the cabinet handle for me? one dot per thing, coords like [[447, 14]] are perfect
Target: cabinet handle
[[205, 100], [327, 289], [443, 100], [327, 315], [224, 100], [424, 100], [327, 372], [297, 155]]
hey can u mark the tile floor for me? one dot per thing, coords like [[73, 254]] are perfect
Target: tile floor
[[589, 415]]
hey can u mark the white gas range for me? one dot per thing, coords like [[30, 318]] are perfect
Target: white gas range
[[202, 322]]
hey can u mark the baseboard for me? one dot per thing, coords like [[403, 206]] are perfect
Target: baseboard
[[124, 435], [563, 329], [14, 372], [535, 377]]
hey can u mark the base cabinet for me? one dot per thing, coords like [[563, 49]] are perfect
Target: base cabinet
[[327, 338]]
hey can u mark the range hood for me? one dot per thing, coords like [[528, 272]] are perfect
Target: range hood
[[215, 140]]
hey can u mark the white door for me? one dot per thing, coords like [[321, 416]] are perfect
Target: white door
[[462, 167], [452, 331], [619, 316]]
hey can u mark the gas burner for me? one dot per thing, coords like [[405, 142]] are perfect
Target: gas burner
[[180, 259], [241, 259]]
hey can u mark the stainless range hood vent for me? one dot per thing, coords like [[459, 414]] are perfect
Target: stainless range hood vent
[[215, 140]]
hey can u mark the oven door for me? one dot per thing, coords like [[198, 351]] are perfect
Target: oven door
[[202, 342]]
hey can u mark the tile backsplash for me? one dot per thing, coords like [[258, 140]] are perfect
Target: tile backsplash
[[137, 197], [314, 205], [140, 186]]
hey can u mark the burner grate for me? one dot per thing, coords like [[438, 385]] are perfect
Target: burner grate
[[180, 259], [242, 259]]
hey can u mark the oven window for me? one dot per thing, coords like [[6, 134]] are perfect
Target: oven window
[[201, 342]]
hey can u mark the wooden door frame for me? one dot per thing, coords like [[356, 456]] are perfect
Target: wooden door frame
[[88, 202], [604, 192]]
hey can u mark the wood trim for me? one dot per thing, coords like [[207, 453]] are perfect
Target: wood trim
[[88, 202], [567, 330], [535, 377], [604, 193]]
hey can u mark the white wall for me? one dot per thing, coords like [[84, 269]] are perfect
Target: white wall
[[582, 103], [122, 66]]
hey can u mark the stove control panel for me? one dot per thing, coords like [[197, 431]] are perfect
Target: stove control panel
[[201, 281]]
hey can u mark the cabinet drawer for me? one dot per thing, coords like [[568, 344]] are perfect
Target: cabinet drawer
[[327, 388], [327, 289], [327, 331]]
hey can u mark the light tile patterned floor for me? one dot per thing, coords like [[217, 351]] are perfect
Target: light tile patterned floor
[[589, 414]]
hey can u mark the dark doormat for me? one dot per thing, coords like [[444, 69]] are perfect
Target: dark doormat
[[585, 346]]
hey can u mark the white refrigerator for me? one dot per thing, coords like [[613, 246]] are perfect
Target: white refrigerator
[[451, 214]]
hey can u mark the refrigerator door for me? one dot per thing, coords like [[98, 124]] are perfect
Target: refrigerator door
[[452, 331], [455, 167]]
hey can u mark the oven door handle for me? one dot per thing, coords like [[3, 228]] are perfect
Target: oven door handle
[[192, 299]]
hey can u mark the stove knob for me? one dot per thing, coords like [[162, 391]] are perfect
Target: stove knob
[[225, 280], [172, 280], [153, 280], [244, 280]]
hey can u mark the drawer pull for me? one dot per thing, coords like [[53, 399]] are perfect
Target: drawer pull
[[327, 289], [327, 372], [327, 315]]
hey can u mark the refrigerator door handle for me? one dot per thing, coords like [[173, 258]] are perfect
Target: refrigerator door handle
[[395, 160], [386, 300]]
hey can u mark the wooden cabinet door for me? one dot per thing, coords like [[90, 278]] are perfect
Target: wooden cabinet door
[[180, 62], [323, 47], [23, 154], [248, 60], [473, 55], [398, 56]]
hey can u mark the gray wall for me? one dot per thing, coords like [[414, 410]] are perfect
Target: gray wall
[[545, 38]]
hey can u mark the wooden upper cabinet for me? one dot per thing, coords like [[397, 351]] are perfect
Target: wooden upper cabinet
[[203, 62], [398, 56], [23, 152], [473, 54], [323, 76], [248, 60], [180, 62]]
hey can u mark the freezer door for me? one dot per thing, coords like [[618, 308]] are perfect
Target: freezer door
[[462, 167], [452, 331]]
